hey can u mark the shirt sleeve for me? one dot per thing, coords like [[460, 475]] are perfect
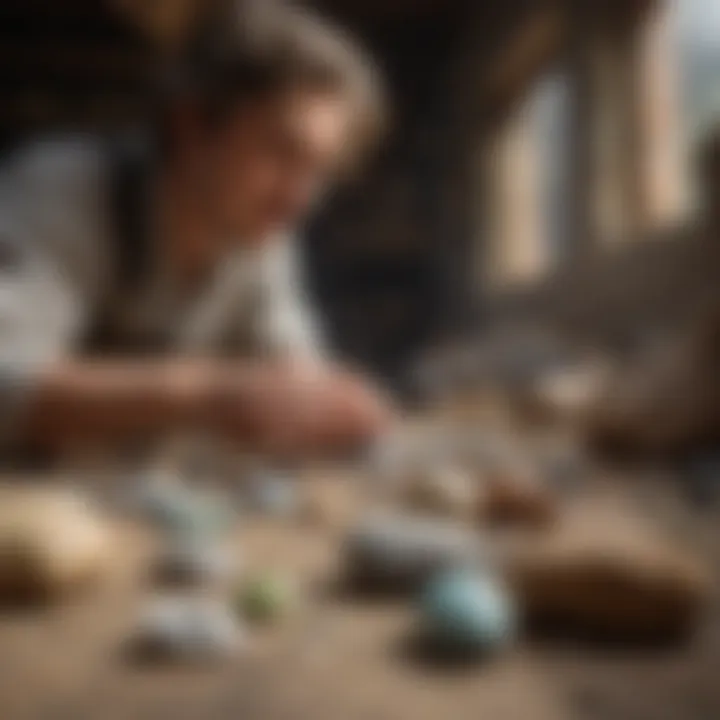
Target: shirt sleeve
[[285, 324], [42, 297]]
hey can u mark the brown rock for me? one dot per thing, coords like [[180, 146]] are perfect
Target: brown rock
[[604, 572], [445, 491], [516, 497], [664, 403], [50, 543]]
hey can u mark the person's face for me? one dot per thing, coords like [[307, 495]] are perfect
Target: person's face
[[265, 165]]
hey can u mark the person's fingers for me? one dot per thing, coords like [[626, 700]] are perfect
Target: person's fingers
[[358, 414], [372, 410], [300, 412]]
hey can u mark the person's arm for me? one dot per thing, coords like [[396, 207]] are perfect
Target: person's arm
[[260, 405], [103, 402]]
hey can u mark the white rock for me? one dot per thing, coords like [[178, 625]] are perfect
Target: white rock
[[396, 550], [188, 629]]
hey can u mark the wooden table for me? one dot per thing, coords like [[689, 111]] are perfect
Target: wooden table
[[341, 658]]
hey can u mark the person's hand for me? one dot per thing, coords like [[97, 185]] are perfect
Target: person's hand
[[297, 409]]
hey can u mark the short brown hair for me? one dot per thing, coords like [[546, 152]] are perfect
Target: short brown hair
[[244, 50]]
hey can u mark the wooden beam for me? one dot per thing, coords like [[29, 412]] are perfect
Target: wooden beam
[[521, 57], [165, 22]]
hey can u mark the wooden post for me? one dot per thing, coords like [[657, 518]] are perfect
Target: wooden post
[[514, 248], [626, 175], [660, 176], [600, 188]]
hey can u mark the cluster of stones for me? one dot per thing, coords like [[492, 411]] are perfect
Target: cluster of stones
[[188, 621], [198, 616]]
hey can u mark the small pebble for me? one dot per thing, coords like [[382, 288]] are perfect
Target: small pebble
[[274, 495], [466, 611], [517, 498], [444, 490], [194, 564], [266, 598], [187, 629], [151, 495], [404, 552]]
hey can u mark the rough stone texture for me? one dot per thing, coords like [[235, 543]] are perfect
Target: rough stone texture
[[445, 491], [517, 498], [666, 402], [186, 629], [51, 542], [397, 552], [604, 571]]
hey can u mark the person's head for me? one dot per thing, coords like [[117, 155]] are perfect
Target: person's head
[[272, 103]]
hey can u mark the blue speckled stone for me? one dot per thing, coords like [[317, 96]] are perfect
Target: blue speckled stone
[[465, 610]]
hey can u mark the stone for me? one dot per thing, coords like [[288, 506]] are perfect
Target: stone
[[216, 631], [564, 394], [467, 611], [604, 571], [516, 497], [274, 494], [395, 552], [194, 563], [180, 511], [52, 541], [187, 630], [443, 490], [266, 598], [664, 403]]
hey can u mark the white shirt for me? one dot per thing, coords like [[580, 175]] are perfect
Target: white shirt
[[56, 264]]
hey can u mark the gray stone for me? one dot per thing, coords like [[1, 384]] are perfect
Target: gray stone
[[184, 512], [399, 552], [273, 494], [187, 630], [193, 563]]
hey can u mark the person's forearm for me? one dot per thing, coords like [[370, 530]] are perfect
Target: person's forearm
[[272, 407], [114, 401]]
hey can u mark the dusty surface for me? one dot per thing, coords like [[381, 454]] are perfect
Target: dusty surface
[[345, 659]]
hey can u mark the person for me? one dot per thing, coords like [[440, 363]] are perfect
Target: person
[[149, 283]]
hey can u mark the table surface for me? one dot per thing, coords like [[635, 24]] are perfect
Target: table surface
[[341, 658]]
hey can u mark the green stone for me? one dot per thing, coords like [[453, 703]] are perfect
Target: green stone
[[265, 599]]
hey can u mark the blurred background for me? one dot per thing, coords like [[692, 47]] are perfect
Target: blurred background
[[535, 147], [547, 199]]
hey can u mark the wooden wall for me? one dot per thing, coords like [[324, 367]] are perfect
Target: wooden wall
[[68, 65]]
